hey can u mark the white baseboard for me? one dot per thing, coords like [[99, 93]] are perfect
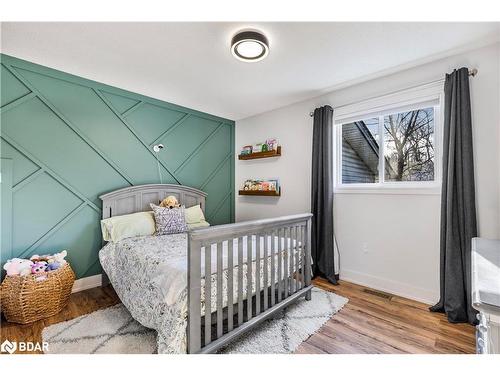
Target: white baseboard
[[390, 286], [87, 283]]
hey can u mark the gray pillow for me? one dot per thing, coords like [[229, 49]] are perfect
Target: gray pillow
[[169, 220]]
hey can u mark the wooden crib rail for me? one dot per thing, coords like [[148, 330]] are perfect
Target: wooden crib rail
[[275, 271]]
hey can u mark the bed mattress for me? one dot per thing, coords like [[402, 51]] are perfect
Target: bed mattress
[[149, 274]]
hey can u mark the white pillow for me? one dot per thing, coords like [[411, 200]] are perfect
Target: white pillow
[[194, 214], [195, 217], [117, 228]]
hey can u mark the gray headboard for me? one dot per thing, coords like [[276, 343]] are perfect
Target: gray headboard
[[137, 198]]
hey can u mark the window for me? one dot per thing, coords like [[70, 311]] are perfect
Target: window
[[409, 145], [360, 151], [390, 147]]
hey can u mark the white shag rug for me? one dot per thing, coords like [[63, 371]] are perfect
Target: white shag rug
[[114, 331]]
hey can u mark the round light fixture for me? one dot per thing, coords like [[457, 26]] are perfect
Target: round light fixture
[[249, 46]]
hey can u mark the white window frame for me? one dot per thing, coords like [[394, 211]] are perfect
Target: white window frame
[[428, 95]]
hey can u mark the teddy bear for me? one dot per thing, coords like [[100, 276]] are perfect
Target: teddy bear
[[17, 266], [170, 202], [39, 267]]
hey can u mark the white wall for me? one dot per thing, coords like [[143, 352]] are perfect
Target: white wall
[[390, 242]]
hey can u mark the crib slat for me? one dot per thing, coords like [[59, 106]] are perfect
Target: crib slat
[[219, 289], [307, 255], [273, 266], [297, 257], [297, 261], [266, 271], [286, 236], [240, 281], [293, 249], [280, 263], [258, 264], [208, 294], [291, 260], [250, 248], [258, 248], [303, 256], [230, 270]]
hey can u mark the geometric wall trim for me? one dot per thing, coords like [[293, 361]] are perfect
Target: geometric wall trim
[[68, 140]]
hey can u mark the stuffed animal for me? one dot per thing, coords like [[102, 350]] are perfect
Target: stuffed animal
[[40, 258], [52, 266], [170, 202], [17, 266], [59, 258], [247, 185], [39, 267]]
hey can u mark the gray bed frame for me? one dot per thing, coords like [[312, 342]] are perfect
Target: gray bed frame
[[293, 273]]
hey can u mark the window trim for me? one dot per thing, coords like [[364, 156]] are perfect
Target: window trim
[[403, 100]]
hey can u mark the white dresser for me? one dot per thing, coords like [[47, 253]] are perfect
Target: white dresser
[[486, 293]]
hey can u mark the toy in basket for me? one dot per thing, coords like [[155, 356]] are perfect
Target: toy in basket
[[37, 288]]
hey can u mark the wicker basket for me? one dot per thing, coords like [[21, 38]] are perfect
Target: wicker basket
[[26, 299]]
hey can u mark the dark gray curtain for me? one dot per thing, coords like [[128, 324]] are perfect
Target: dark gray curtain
[[458, 208], [322, 195]]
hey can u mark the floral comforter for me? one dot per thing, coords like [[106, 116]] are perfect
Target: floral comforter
[[149, 274]]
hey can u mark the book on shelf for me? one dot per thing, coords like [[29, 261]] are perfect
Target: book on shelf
[[271, 144], [268, 184]]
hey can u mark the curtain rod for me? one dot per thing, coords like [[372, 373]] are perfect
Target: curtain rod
[[472, 72]]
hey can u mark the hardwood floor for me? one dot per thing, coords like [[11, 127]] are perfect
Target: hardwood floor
[[374, 322], [369, 323]]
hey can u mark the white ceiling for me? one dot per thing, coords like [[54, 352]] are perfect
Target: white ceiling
[[190, 64]]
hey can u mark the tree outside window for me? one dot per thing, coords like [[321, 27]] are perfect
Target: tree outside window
[[408, 140], [409, 145]]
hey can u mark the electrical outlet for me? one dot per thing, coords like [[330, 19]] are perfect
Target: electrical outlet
[[364, 247]]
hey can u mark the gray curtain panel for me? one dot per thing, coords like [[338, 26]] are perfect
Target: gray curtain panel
[[322, 250], [458, 208]]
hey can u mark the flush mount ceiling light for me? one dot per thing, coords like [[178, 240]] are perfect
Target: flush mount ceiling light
[[249, 46]]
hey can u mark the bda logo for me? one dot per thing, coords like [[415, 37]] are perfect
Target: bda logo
[[24, 346], [9, 347]]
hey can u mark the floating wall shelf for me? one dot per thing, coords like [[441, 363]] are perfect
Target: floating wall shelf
[[261, 155], [264, 193]]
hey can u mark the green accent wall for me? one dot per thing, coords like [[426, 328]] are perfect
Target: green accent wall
[[67, 140]]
